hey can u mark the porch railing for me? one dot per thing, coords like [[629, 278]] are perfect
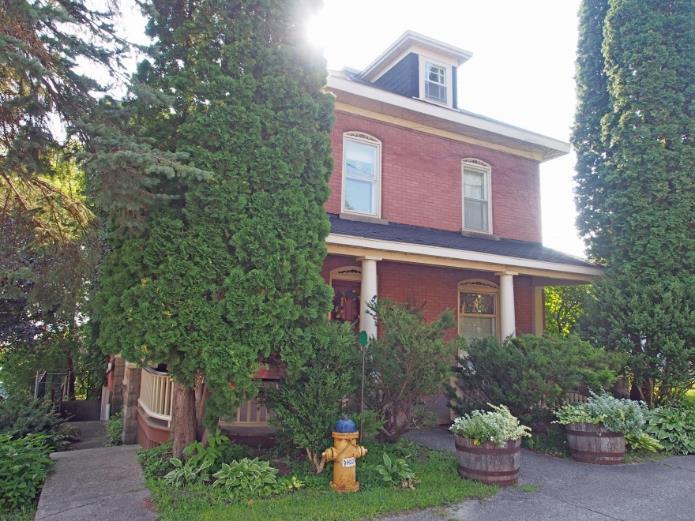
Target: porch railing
[[156, 394]]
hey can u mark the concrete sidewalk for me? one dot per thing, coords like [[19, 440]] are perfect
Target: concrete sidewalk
[[102, 483], [572, 491]]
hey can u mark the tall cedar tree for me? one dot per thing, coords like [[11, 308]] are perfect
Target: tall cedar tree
[[225, 271], [45, 225], [635, 185]]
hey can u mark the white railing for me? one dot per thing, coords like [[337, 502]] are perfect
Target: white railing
[[156, 394]]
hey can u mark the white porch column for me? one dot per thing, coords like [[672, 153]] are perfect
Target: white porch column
[[368, 290], [507, 312], [538, 311]]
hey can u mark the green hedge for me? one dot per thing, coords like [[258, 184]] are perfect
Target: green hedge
[[24, 465]]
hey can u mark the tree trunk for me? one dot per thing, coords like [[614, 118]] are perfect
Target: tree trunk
[[184, 421], [201, 395]]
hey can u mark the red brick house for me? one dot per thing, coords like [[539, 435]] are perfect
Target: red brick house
[[430, 204]]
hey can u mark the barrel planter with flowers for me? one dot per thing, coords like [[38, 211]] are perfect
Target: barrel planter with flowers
[[597, 430], [488, 445]]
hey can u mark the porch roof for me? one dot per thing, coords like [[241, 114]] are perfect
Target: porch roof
[[433, 242]]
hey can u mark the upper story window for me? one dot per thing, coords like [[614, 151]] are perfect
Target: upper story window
[[477, 208], [435, 82], [361, 174]]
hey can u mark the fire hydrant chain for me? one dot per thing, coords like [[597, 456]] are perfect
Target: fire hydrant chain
[[344, 454]]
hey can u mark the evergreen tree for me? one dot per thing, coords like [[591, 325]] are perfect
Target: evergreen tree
[[46, 227], [225, 270], [635, 185]]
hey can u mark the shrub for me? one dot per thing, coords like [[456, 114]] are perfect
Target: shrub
[[202, 461], [616, 415], [308, 402], [248, 478], [397, 472], [155, 461], [114, 430], [24, 465], [531, 375], [22, 415], [674, 428], [407, 363], [497, 426]]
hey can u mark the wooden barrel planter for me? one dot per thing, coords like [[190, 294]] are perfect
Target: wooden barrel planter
[[489, 463], [591, 443]]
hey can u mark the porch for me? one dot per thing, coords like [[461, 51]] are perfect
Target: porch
[[249, 423]]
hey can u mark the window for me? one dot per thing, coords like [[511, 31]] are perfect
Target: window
[[361, 174], [477, 212], [477, 309], [435, 82]]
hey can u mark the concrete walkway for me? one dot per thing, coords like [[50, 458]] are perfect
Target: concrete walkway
[[92, 484], [572, 491]]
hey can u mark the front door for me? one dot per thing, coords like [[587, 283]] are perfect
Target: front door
[[346, 302]]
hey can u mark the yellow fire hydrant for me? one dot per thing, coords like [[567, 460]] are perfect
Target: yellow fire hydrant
[[344, 454]]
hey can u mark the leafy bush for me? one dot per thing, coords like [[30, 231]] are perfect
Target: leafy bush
[[616, 415], [24, 465], [200, 462], [497, 426], [308, 402], [248, 478], [407, 363], [114, 430], [674, 427], [155, 461], [21, 415], [397, 472], [531, 375]]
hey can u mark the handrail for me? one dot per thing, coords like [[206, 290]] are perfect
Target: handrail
[[156, 394]]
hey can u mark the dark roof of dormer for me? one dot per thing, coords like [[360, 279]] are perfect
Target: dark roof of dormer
[[409, 40]]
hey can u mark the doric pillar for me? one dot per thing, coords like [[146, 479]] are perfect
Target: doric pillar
[[507, 313], [131, 393], [368, 291]]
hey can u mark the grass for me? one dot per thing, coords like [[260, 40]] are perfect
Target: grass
[[439, 485], [690, 397]]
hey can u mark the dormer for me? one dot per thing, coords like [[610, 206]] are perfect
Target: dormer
[[418, 66]]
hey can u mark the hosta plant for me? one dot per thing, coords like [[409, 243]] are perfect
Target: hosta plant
[[497, 426], [674, 427], [249, 478], [397, 472]]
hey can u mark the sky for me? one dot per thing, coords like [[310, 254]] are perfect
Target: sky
[[521, 72]]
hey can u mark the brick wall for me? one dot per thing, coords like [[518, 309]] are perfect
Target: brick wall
[[435, 289], [421, 180]]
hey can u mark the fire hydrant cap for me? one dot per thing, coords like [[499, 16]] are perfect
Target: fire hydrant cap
[[345, 425]]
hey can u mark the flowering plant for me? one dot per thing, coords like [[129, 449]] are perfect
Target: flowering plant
[[497, 426]]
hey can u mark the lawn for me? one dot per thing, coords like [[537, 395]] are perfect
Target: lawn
[[690, 397], [439, 485]]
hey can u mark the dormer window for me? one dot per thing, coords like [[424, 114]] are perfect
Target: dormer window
[[435, 82]]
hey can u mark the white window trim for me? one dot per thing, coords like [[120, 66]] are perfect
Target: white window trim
[[368, 139], [478, 286], [483, 168], [424, 60]]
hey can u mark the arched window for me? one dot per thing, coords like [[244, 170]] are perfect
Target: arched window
[[476, 195], [361, 190], [477, 308]]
